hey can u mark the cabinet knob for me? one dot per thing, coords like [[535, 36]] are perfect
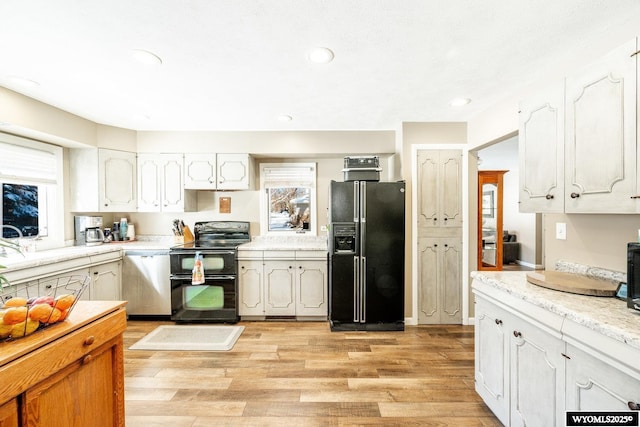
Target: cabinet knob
[[435, 246], [242, 267], [634, 406], [89, 340], [446, 219], [549, 196], [517, 334], [87, 359], [498, 322], [446, 245], [575, 195]]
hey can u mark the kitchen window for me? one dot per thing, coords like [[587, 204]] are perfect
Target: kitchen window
[[289, 198], [30, 183]]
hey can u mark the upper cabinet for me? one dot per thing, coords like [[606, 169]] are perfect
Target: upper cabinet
[[440, 175], [160, 184], [578, 142], [541, 142], [220, 171], [600, 135], [102, 180]]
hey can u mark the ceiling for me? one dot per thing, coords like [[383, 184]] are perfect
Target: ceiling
[[240, 64]]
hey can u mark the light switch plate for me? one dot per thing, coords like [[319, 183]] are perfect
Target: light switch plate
[[561, 231]]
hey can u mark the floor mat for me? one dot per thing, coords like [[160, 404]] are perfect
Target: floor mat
[[190, 337]]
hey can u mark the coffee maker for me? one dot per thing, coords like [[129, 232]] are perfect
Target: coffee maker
[[82, 223]]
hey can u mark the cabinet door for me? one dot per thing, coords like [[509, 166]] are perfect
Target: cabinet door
[[233, 172], [9, 414], [536, 375], [84, 393], [279, 288], [439, 269], [440, 183], [117, 181], [200, 171], [492, 357], [593, 385], [172, 183], [250, 288], [72, 280], [105, 282], [541, 150], [600, 143], [160, 183], [311, 288]]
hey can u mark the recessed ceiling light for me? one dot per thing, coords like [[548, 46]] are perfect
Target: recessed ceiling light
[[321, 55], [285, 118], [146, 57], [459, 102], [21, 81]]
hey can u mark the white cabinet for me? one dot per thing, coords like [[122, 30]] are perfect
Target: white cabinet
[[440, 181], [235, 172], [594, 385], [222, 171], [200, 171], [541, 149], [160, 184], [600, 138], [591, 123], [102, 180], [440, 293], [520, 367], [147, 288], [250, 287], [106, 274], [311, 287], [283, 283]]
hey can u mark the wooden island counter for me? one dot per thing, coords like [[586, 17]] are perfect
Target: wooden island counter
[[69, 374]]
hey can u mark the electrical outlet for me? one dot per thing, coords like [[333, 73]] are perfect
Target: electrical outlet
[[561, 231], [323, 228]]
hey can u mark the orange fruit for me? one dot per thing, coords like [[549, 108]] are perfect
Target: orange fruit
[[15, 302], [14, 315], [5, 330], [24, 328], [40, 312], [63, 315], [64, 301], [55, 316]]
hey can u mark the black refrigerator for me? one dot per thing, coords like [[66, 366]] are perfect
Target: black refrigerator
[[366, 256]]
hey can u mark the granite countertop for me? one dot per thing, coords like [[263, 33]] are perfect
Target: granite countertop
[[286, 243], [606, 315], [34, 259]]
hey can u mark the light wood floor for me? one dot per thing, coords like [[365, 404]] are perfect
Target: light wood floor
[[302, 374]]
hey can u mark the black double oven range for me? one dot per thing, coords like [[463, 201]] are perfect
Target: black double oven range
[[216, 300]]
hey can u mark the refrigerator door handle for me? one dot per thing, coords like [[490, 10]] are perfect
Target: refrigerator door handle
[[363, 290], [363, 202], [356, 284], [356, 197]]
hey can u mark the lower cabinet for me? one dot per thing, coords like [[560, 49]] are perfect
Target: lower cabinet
[[593, 385], [283, 283], [70, 375], [105, 281], [519, 368]]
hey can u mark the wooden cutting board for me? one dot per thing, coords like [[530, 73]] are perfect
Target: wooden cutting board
[[573, 283]]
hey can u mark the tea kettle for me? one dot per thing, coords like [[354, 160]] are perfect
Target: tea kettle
[[94, 236]]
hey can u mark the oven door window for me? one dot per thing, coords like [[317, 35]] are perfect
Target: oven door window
[[203, 297], [211, 263]]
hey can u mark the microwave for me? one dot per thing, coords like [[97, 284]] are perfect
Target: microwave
[[633, 275]]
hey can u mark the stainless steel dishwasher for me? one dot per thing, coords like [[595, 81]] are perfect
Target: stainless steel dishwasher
[[145, 282]]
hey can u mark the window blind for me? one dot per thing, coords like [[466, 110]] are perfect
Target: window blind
[[289, 176], [24, 163]]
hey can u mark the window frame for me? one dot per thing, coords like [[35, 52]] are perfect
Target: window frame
[[265, 202], [54, 190]]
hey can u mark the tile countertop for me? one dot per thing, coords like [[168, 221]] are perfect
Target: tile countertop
[[606, 315], [286, 243], [35, 259]]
